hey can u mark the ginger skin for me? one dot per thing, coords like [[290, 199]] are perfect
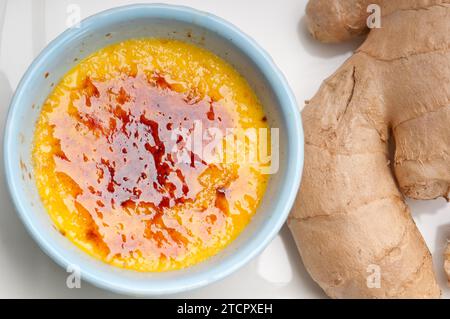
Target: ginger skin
[[350, 213], [447, 262], [340, 20]]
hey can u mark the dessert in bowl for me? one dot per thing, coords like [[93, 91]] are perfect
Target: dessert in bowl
[[98, 161], [114, 160]]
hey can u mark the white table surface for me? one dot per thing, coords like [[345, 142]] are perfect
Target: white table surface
[[26, 26]]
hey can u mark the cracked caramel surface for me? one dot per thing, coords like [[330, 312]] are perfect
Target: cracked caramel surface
[[105, 162]]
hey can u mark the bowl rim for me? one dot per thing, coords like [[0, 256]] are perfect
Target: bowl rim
[[277, 81]]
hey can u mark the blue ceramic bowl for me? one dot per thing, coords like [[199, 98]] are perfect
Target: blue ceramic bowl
[[175, 22]]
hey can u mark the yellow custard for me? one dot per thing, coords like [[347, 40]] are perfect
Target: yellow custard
[[113, 168]]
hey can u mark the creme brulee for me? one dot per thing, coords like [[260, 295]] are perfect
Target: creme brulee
[[104, 159]]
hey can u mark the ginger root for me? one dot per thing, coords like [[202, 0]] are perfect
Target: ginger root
[[350, 221]]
